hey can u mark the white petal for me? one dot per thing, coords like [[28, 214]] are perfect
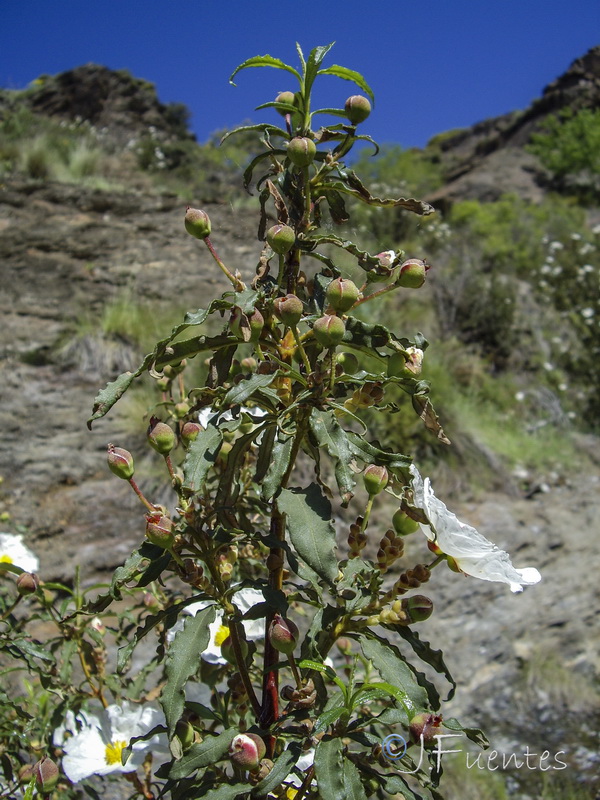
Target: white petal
[[14, 552], [474, 554]]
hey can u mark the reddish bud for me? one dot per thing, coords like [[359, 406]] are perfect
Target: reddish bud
[[247, 750], [120, 462], [283, 634], [289, 309], [159, 530], [27, 583], [189, 432], [160, 436], [427, 726], [197, 223], [285, 97], [46, 775]]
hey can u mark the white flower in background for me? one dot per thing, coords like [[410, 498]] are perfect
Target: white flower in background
[[96, 743], [13, 551], [208, 413], [386, 259], [474, 554], [304, 763], [243, 600]]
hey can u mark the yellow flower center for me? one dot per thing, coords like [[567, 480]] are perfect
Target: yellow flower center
[[291, 793], [4, 559], [221, 635], [112, 753]]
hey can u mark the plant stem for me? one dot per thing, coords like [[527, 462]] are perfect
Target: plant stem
[[302, 351], [237, 283], [242, 669], [151, 508]]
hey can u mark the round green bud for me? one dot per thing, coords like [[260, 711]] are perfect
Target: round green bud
[[342, 294], [185, 733], [357, 108], [375, 479], [412, 273], [329, 330], [417, 608], [228, 652], [403, 524], [161, 436], [285, 97], [289, 309], [301, 151], [348, 362], [197, 223], [189, 432], [120, 462], [281, 238]]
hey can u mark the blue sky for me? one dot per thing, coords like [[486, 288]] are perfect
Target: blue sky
[[433, 65]]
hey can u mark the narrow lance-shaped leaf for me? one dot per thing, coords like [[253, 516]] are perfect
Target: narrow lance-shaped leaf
[[349, 75], [201, 455], [263, 61], [311, 530], [330, 435], [353, 788], [280, 460], [394, 670], [280, 770], [329, 769], [203, 754], [182, 662], [315, 59]]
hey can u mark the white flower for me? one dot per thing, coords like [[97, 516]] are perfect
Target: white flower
[[208, 413], [386, 259], [97, 742], [474, 554], [243, 600], [13, 551], [305, 761]]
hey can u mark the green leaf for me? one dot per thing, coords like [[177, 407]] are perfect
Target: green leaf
[[327, 718], [329, 769], [182, 662], [207, 752], [280, 770], [330, 435], [417, 206], [311, 530], [349, 75], [280, 459], [201, 456], [107, 397], [263, 61], [371, 454], [388, 661], [226, 791], [474, 734], [245, 389], [353, 788], [435, 658], [264, 127], [315, 59]]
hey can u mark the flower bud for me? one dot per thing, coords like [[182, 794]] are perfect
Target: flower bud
[[285, 97], [161, 436], [283, 634], [281, 238], [427, 726], [375, 479], [357, 108], [418, 608], [120, 462], [407, 365], [46, 775], [348, 362], [342, 294], [289, 309], [228, 652], [386, 258], [329, 330], [197, 223], [301, 151], [189, 432], [185, 733], [412, 273], [247, 750], [27, 583], [403, 524], [159, 530]]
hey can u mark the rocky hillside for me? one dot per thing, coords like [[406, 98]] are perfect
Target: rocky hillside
[[528, 665], [487, 160]]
